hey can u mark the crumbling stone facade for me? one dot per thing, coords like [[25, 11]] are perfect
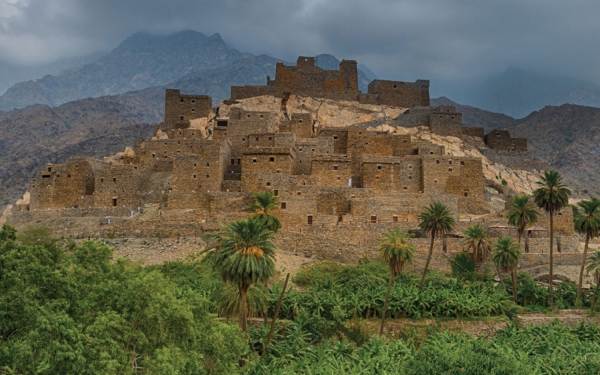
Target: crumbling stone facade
[[337, 184], [309, 80]]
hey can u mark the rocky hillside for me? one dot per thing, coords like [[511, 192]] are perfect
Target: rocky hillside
[[566, 136], [33, 136]]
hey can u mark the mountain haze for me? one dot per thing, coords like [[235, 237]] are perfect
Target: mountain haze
[[518, 92]]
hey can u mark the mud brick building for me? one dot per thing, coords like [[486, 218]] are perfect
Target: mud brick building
[[334, 184]]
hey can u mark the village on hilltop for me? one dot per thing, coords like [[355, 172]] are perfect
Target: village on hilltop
[[344, 166]]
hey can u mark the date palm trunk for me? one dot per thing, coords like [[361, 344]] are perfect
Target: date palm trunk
[[428, 260], [551, 281], [585, 250]]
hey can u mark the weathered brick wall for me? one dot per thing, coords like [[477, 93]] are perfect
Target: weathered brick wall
[[305, 148], [301, 124], [340, 139], [62, 185], [446, 123], [401, 94], [331, 170], [391, 174], [118, 186], [563, 222], [474, 132], [430, 149], [256, 161], [501, 140], [183, 108]]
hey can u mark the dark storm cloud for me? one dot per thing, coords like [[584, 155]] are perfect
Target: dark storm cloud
[[443, 40]]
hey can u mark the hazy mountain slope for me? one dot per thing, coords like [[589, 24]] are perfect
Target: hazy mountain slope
[[217, 82], [141, 61], [568, 137], [518, 92], [14, 73], [36, 135]]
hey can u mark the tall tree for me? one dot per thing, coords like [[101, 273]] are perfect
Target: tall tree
[[587, 222], [506, 256], [521, 213], [593, 265], [263, 209], [476, 241], [243, 254], [551, 196], [396, 252], [437, 220]]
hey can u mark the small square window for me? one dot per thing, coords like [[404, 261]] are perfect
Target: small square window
[[462, 162], [271, 159], [208, 164], [449, 161], [268, 184], [395, 219], [276, 192], [283, 205], [405, 188], [256, 138], [207, 176], [114, 179], [270, 138], [254, 160], [194, 176], [449, 169], [379, 167], [298, 193], [309, 219], [335, 167], [437, 162], [373, 219]]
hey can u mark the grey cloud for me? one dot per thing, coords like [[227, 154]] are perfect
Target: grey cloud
[[446, 41]]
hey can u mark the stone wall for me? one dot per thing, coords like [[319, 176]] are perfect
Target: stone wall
[[401, 94], [62, 185], [502, 141], [183, 108]]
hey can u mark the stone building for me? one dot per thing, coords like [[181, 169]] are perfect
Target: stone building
[[336, 182]]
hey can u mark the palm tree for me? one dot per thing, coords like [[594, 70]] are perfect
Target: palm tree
[[437, 220], [265, 203], [243, 254], [476, 241], [521, 213], [551, 196], [395, 252], [507, 255], [588, 223], [593, 265]]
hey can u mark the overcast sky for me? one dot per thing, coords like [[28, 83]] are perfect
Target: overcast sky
[[446, 41]]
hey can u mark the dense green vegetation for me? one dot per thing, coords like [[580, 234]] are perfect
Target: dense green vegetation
[[71, 308], [553, 349]]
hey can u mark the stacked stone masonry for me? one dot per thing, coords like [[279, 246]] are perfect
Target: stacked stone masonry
[[339, 186]]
